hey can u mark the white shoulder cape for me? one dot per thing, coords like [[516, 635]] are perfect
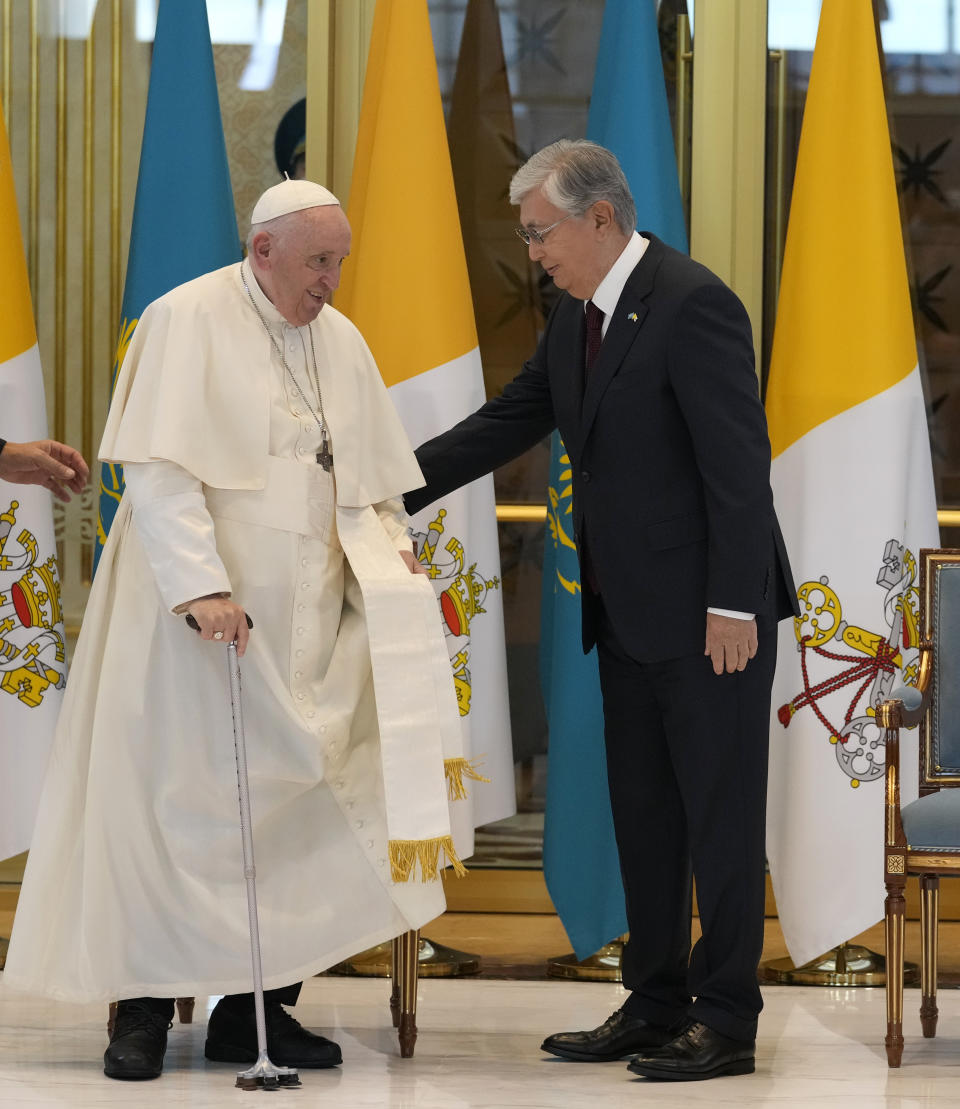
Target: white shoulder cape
[[203, 340]]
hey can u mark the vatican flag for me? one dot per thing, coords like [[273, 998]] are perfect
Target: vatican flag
[[405, 286], [32, 658], [853, 486]]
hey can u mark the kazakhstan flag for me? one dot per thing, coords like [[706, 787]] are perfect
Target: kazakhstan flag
[[628, 115], [183, 216]]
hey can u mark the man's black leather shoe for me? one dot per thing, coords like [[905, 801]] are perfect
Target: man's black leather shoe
[[617, 1037], [232, 1038], [698, 1052], [138, 1042]]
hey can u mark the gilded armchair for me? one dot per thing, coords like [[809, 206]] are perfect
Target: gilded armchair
[[922, 838]]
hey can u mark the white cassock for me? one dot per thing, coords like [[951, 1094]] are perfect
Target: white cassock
[[134, 884]]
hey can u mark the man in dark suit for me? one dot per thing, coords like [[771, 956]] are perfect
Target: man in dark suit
[[646, 367]]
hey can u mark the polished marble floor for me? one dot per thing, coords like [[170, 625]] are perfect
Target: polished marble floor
[[479, 1047]]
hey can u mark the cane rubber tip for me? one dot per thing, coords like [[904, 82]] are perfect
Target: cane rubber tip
[[269, 1082]]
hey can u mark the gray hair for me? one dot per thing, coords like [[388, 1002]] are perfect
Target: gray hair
[[277, 228], [574, 175]]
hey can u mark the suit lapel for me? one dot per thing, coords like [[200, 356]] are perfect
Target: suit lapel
[[624, 327]]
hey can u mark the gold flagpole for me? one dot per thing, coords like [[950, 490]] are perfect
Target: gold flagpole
[[434, 960], [601, 966], [848, 964]]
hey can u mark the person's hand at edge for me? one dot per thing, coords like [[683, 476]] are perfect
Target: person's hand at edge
[[57, 467]]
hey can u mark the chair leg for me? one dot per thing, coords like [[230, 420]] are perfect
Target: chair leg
[[893, 911], [409, 944], [395, 981], [111, 1017], [929, 926]]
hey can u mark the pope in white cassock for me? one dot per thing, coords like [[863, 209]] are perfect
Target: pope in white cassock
[[264, 465]]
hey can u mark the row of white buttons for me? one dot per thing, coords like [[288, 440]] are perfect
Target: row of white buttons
[[350, 804]]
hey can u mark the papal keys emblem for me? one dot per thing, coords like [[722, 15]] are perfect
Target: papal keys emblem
[[32, 655], [847, 671]]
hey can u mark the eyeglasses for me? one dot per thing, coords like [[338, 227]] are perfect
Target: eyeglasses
[[531, 235]]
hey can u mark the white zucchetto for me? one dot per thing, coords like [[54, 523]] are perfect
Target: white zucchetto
[[290, 196]]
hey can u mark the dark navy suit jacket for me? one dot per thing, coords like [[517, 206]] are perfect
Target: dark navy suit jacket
[[669, 454]]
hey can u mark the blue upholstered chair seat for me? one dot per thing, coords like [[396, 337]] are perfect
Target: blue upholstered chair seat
[[933, 821]]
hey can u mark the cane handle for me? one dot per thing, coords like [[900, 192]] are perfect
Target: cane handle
[[192, 623]]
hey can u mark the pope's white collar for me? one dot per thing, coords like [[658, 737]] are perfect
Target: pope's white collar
[[271, 313]]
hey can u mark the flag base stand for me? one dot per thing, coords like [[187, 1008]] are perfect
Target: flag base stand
[[4, 944], [601, 966], [846, 965], [434, 960]]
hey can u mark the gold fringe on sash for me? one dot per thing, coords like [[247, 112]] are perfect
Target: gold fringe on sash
[[405, 854], [456, 770]]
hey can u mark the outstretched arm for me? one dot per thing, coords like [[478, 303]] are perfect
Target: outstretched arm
[[59, 468], [496, 433]]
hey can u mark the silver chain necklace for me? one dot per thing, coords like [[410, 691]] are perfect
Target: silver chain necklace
[[324, 455]]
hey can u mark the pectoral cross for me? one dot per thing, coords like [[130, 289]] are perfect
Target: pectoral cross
[[324, 457]]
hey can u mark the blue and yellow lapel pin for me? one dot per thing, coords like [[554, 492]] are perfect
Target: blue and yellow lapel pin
[[632, 316]]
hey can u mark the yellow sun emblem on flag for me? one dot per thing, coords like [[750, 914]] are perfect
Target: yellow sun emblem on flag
[[559, 508]]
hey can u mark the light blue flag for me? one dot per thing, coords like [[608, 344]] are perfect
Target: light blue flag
[[184, 222], [628, 115]]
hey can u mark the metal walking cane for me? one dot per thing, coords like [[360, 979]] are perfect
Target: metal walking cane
[[263, 1075]]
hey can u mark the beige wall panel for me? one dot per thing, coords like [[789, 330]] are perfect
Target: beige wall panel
[[337, 61], [250, 117], [64, 376], [727, 171]]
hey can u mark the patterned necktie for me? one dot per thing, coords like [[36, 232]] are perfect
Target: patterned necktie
[[594, 333]]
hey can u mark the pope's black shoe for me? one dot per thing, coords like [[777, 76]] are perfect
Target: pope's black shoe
[[232, 1038], [698, 1052], [617, 1037], [138, 1042]]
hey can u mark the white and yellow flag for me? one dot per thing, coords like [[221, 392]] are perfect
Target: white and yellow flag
[[853, 486], [32, 659], [406, 288]]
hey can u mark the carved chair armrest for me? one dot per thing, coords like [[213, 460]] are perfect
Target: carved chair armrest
[[905, 711]]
